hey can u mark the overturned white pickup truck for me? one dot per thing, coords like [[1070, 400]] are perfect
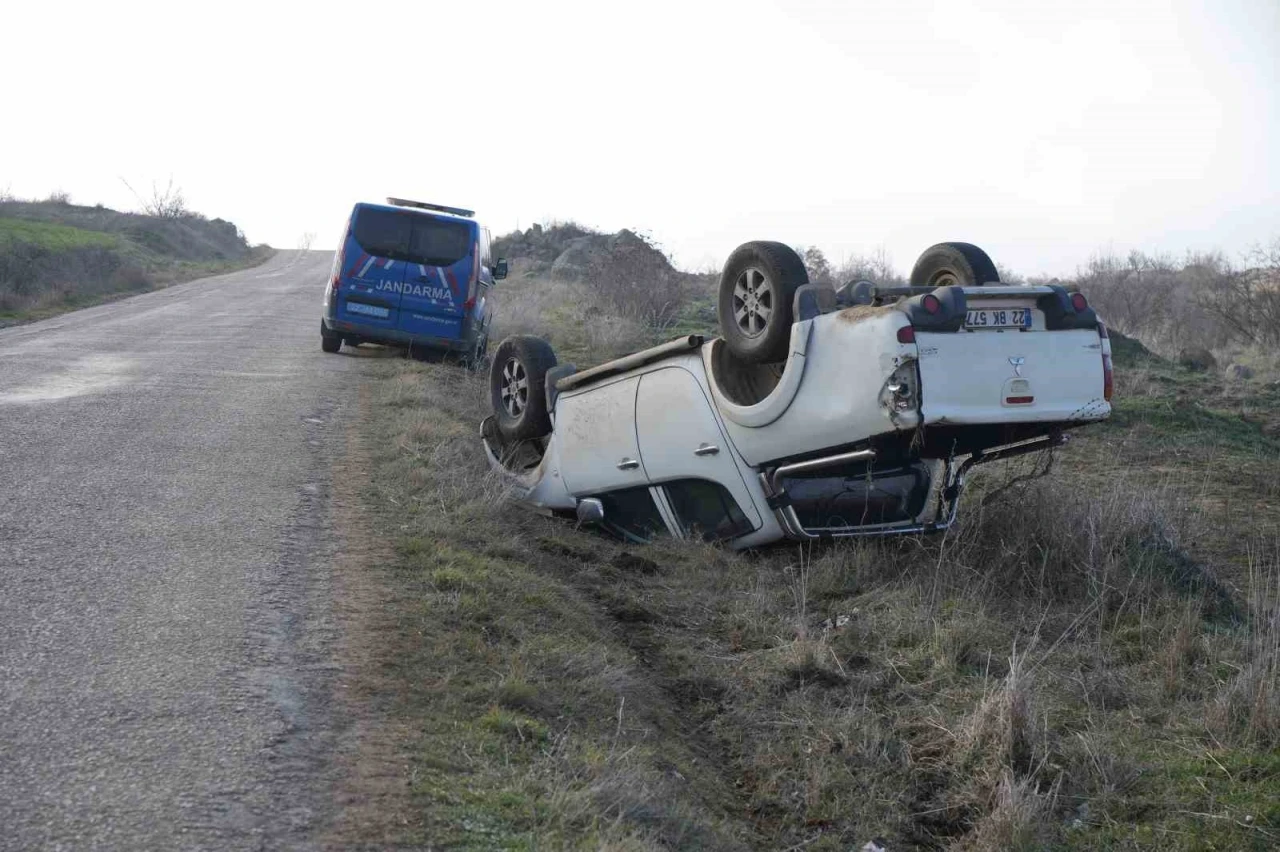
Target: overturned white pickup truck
[[820, 413]]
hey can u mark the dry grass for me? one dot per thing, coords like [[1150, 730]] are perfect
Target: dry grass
[[1079, 664]]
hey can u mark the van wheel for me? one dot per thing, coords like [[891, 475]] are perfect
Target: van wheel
[[757, 289], [481, 351], [517, 386], [329, 341], [954, 265]]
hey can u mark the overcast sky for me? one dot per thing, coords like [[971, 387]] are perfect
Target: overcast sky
[[1043, 135]]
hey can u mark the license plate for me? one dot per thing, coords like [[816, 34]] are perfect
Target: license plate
[[998, 318], [368, 310]]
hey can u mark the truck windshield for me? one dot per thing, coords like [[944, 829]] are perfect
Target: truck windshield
[[412, 237]]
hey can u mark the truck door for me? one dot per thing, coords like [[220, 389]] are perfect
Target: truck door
[[680, 440], [597, 430]]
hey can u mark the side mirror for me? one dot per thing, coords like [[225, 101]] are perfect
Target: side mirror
[[500, 271], [590, 511]]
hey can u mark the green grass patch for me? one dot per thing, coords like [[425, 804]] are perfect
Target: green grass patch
[[51, 237]]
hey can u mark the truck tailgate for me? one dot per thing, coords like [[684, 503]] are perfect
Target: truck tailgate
[[1011, 376]]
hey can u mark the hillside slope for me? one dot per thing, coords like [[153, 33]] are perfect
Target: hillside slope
[[56, 256]]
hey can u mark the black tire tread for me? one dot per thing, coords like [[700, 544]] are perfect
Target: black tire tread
[[329, 341], [966, 258], [538, 357], [791, 275]]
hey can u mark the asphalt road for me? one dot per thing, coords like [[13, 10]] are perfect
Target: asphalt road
[[166, 626]]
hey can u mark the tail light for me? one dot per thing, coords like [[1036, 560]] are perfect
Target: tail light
[[474, 284], [340, 259], [907, 334], [1079, 302], [931, 304], [1108, 377]]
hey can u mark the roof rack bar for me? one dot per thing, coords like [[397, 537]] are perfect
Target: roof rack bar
[[404, 202]]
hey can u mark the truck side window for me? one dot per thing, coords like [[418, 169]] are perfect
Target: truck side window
[[632, 514], [706, 509]]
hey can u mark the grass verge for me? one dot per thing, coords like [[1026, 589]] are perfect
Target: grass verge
[[1086, 662]]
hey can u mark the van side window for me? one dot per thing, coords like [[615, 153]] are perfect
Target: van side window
[[631, 514], [486, 247], [706, 509]]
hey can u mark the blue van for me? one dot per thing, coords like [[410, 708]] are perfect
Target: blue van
[[411, 274]]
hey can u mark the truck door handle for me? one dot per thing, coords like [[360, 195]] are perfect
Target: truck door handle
[[706, 450], [628, 464]]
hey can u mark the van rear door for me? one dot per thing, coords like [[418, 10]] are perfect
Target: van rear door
[[374, 273], [438, 273]]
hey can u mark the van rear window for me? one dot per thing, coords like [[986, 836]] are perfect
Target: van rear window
[[411, 237]]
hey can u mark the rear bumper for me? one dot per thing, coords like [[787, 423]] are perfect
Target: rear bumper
[[395, 337]]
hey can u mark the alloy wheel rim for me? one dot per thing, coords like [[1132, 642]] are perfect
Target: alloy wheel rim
[[753, 302], [515, 387]]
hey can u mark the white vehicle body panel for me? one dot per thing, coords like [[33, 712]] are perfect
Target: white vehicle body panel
[[599, 424], [848, 357], [680, 436], [968, 377]]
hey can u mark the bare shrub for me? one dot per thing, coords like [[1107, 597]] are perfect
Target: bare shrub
[[876, 266], [1247, 303], [59, 196], [635, 280], [163, 203]]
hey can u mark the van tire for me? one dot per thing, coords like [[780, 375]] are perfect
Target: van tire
[[517, 386], [757, 290], [479, 353], [954, 264], [329, 341]]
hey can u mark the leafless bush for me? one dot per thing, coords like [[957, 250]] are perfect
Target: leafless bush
[[166, 203], [59, 196], [6, 194], [876, 266], [1247, 303]]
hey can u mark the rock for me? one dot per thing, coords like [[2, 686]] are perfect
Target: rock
[[1239, 372], [1197, 358]]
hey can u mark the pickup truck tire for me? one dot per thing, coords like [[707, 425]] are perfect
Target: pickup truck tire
[[329, 341], [757, 289], [954, 264], [517, 386]]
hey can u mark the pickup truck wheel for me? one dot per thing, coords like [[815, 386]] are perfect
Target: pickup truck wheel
[[954, 264], [757, 289], [329, 341], [517, 386]]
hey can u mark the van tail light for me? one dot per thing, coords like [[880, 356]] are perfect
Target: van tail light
[[340, 260], [907, 334], [1108, 376], [1079, 302], [474, 286]]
